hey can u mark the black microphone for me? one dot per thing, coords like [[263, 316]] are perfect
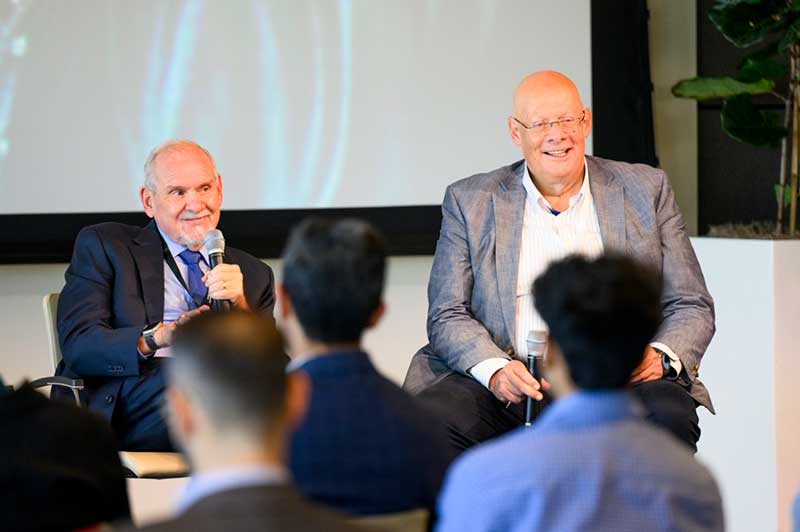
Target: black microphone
[[214, 243], [537, 345]]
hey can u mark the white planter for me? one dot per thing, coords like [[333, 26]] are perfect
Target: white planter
[[752, 369]]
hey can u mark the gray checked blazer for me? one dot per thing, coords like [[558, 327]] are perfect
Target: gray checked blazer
[[472, 285]]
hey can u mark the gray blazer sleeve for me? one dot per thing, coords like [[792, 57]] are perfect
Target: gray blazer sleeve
[[688, 324], [459, 339]]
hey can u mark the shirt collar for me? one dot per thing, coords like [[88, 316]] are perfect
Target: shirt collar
[[176, 249], [536, 197], [207, 484], [586, 408], [302, 360]]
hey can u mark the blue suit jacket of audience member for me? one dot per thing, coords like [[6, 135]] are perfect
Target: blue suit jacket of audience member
[[591, 462], [366, 446]]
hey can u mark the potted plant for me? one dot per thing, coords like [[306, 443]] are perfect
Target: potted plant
[[755, 282], [772, 29]]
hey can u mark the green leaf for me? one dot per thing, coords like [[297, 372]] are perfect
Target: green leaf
[[746, 23], [790, 37], [712, 88], [787, 194], [743, 122], [795, 5], [753, 69]]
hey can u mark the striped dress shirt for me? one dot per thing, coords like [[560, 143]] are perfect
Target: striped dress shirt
[[546, 237]]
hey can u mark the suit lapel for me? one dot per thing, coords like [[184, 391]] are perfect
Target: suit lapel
[[148, 255], [509, 207], [609, 204]]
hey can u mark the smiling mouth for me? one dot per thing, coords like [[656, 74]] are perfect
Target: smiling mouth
[[195, 220], [558, 153]]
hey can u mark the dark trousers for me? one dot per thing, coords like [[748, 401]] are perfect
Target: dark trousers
[[138, 420], [472, 413]]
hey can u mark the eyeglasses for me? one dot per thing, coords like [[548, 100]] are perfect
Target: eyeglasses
[[568, 125]]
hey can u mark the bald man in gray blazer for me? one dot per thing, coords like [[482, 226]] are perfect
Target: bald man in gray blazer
[[502, 227]]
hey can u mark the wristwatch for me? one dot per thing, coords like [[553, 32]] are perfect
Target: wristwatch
[[149, 335], [669, 372]]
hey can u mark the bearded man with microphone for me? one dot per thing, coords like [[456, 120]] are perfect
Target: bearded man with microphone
[[128, 287]]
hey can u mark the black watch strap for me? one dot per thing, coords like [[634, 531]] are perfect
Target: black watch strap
[[149, 335]]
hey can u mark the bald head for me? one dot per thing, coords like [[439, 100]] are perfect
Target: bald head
[[544, 84], [550, 125]]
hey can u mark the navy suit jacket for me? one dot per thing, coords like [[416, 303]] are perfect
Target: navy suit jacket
[[114, 288], [366, 446]]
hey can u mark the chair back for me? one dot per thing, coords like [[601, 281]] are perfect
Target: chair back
[[50, 307], [409, 521]]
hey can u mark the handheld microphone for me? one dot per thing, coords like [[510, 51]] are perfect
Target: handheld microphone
[[537, 346], [214, 243]]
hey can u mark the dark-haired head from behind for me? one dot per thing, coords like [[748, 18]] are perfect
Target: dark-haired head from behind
[[230, 366], [333, 275], [601, 314]]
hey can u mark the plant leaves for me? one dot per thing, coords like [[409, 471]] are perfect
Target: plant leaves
[[787, 194], [790, 37], [795, 5], [745, 23], [712, 88], [743, 122], [753, 69]]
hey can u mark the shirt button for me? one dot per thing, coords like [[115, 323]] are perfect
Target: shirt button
[[109, 399]]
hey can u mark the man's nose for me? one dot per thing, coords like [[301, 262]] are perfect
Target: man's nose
[[194, 201], [555, 131]]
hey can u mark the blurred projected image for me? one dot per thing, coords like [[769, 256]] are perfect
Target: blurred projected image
[[12, 48], [304, 103], [283, 91]]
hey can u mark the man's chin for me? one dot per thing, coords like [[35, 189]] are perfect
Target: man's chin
[[194, 241]]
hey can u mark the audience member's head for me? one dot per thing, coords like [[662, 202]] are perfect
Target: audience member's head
[[601, 314], [228, 393], [333, 273], [59, 466]]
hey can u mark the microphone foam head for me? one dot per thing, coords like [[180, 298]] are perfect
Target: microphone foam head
[[537, 342], [214, 242]]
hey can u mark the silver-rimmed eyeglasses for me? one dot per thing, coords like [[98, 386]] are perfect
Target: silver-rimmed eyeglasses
[[567, 125]]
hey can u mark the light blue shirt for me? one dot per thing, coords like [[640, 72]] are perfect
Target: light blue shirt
[[177, 299], [590, 463], [202, 486]]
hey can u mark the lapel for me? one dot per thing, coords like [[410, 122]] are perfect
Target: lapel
[[609, 204], [148, 255], [509, 205]]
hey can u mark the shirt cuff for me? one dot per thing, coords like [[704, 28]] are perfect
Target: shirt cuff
[[483, 371], [674, 361]]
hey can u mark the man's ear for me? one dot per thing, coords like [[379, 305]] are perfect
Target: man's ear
[[298, 395], [587, 123], [146, 195], [285, 307], [376, 315], [514, 132], [180, 416]]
